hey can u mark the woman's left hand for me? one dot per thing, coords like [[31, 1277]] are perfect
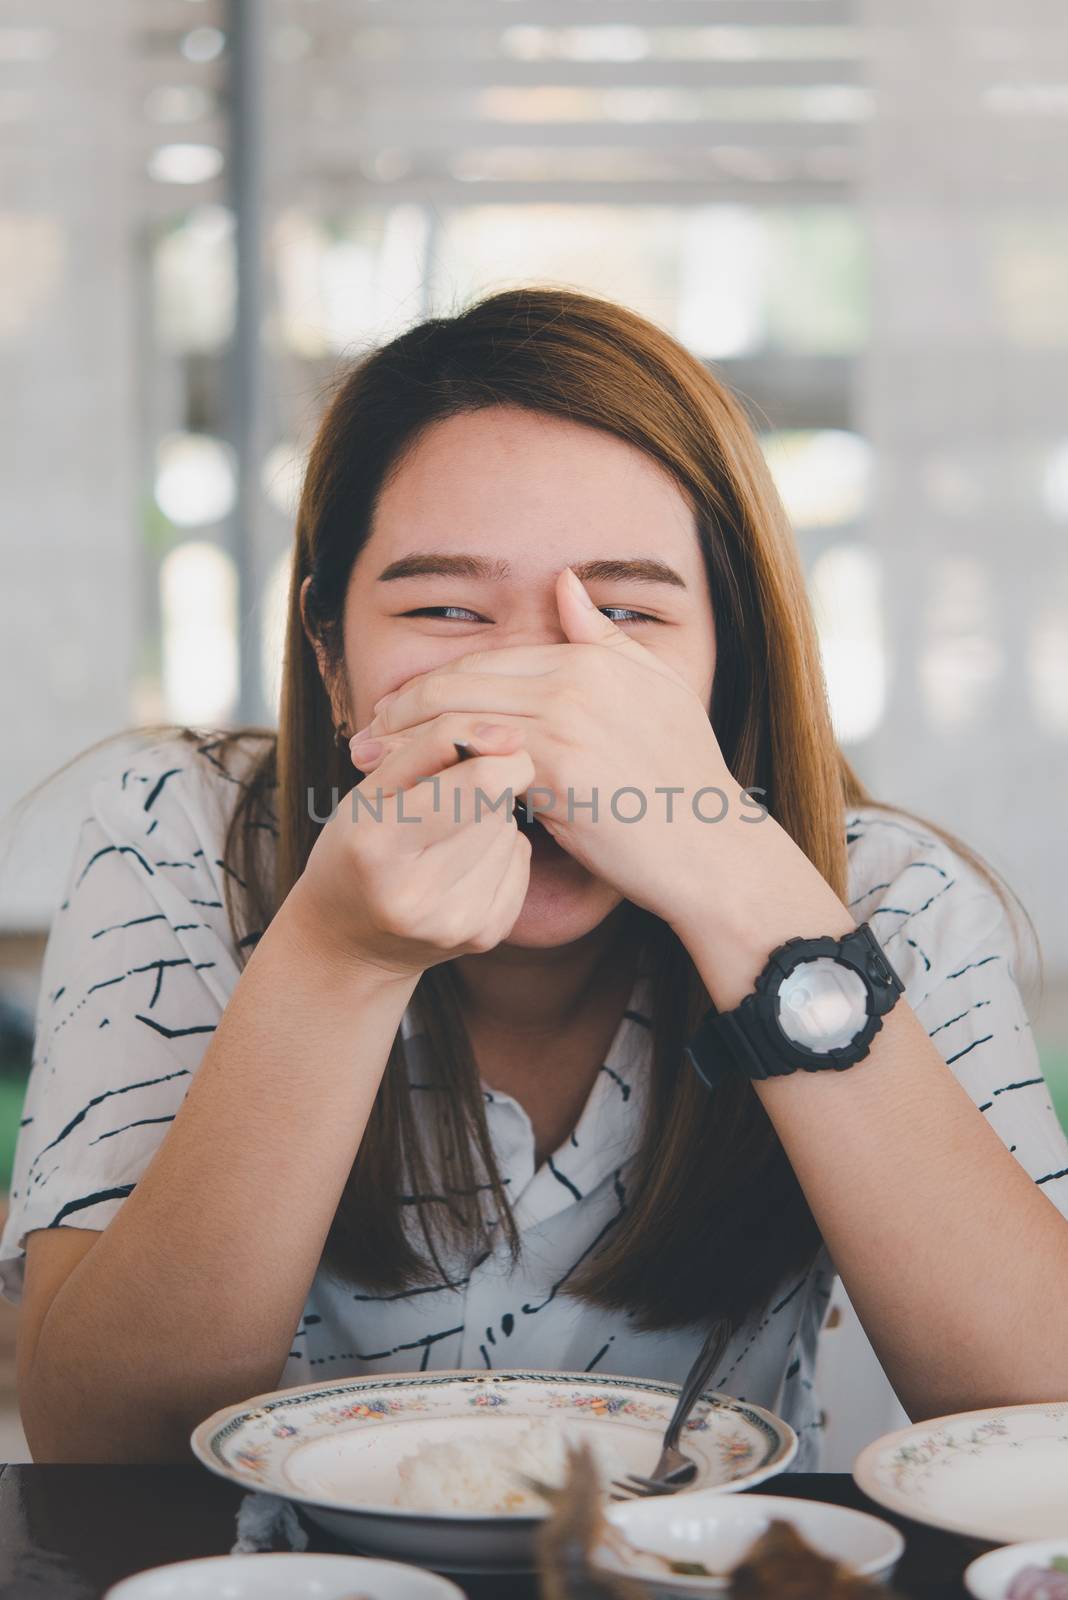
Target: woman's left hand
[[604, 719]]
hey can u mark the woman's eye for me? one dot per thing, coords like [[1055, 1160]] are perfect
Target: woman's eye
[[461, 613], [440, 611]]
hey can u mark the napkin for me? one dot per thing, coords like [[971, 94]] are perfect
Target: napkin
[[263, 1518]]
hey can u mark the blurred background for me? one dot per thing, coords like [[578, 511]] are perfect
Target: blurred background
[[853, 210]]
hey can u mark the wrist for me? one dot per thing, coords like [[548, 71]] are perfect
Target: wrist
[[309, 933], [773, 893]]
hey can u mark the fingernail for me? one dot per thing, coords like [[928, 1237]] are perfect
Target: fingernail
[[578, 590], [361, 733], [366, 749], [489, 730]]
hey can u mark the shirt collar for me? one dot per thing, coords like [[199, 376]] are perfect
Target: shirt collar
[[609, 1128], [608, 1131]]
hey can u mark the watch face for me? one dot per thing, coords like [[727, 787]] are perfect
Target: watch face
[[823, 1004]]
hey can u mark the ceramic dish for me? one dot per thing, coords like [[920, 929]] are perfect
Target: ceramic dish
[[717, 1529], [281, 1575], [989, 1576], [999, 1475], [333, 1449]]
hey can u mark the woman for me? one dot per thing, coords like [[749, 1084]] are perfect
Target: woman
[[332, 1079]]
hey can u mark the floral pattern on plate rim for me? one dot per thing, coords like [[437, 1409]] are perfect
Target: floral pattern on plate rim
[[357, 1402], [915, 1463]]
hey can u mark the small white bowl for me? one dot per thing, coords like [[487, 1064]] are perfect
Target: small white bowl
[[284, 1575], [717, 1529], [988, 1577]]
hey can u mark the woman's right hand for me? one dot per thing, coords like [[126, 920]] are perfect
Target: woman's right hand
[[403, 893]]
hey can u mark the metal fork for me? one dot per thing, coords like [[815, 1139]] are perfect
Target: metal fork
[[674, 1470]]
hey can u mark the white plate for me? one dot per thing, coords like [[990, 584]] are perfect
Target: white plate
[[717, 1530], [988, 1577], [282, 1575], [1000, 1475], [333, 1448]]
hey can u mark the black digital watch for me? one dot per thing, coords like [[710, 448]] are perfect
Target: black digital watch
[[817, 1004]]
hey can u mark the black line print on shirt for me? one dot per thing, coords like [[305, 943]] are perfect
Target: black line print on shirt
[[958, 1018], [602, 1352], [969, 1047], [174, 1033], [98, 1099], [114, 850], [621, 1198], [563, 1178], [88, 1200], [970, 966], [156, 966], [383, 1355], [158, 787], [624, 1086], [785, 1301], [142, 1122], [132, 922], [1024, 1083], [909, 865], [905, 913], [411, 1294], [899, 827]]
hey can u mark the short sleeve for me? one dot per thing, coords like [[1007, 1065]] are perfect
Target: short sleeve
[[950, 939], [138, 967]]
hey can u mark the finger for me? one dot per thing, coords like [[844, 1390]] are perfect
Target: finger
[[585, 624], [465, 791], [432, 746], [433, 694], [409, 822], [469, 850], [511, 892], [520, 660]]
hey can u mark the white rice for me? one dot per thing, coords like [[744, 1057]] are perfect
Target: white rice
[[478, 1472]]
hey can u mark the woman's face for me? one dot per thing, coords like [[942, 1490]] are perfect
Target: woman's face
[[498, 501]]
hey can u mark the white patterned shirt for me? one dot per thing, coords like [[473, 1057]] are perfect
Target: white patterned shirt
[[140, 964]]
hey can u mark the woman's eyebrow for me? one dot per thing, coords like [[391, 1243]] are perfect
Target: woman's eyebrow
[[436, 564]]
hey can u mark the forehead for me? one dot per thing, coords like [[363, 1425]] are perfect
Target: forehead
[[512, 477]]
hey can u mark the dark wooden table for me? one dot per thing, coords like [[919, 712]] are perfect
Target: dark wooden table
[[68, 1532]]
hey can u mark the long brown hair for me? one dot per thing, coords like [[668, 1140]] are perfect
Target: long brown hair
[[710, 1183]]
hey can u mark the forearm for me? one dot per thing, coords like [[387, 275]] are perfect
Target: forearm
[[190, 1297], [956, 1262]]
